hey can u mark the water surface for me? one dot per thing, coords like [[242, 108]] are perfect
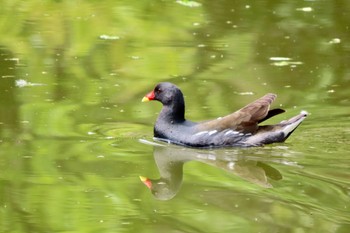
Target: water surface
[[74, 136]]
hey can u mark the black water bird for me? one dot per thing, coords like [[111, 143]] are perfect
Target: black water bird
[[240, 128]]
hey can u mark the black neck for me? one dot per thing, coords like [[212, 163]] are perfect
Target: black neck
[[174, 114], [174, 111]]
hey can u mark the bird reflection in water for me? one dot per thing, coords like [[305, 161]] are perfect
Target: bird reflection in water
[[170, 160]]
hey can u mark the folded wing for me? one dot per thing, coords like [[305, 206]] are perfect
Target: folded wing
[[246, 119]]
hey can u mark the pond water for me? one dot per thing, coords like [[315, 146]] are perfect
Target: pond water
[[75, 137]]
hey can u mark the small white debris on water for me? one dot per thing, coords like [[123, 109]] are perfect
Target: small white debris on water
[[305, 9], [24, 83], [280, 58], [189, 3], [135, 57], [335, 41], [287, 63], [245, 93], [107, 37], [12, 59]]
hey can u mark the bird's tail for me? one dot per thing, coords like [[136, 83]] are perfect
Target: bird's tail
[[276, 133], [288, 126]]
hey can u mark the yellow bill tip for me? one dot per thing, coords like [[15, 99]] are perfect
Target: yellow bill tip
[[146, 181], [145, 99], [143, 178]]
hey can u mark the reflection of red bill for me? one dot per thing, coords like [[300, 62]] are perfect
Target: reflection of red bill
[[146, 181]]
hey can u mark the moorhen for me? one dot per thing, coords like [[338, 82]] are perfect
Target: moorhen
[[240, 128]]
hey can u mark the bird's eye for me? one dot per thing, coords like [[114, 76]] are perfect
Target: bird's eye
[[159, 90]]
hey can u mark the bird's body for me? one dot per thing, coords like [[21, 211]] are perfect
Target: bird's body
[[240, 128]]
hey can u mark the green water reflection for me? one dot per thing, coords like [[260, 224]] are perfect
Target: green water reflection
[[171, 159], [72, 74]]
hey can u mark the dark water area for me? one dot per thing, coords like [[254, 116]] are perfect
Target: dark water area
[[75, 137]]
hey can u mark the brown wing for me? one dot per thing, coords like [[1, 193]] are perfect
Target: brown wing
[[245, 119]]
